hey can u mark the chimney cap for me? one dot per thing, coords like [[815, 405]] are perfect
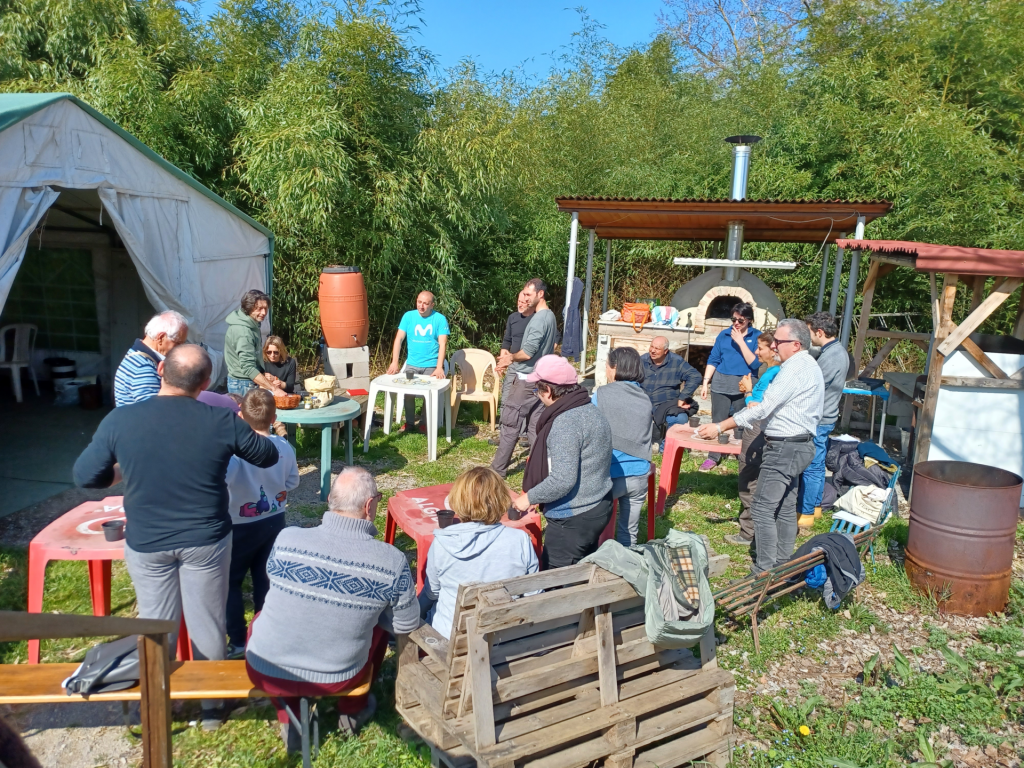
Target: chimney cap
[[744, 139]]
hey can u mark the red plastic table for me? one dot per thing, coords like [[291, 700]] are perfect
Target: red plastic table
[[678, 439], [415, 511], [78, 535]]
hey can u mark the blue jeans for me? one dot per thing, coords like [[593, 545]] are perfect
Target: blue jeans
[[239, 386], [680, 418], [812, 481]]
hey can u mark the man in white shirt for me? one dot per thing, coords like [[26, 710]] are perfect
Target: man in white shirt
[[791, 411]]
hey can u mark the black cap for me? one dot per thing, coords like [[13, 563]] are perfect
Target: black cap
[[745, 139]]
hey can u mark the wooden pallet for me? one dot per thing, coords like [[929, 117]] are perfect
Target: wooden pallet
[[554, 670]]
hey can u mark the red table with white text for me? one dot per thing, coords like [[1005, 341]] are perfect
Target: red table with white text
[[415, 512], [78, 535], [678, 439]]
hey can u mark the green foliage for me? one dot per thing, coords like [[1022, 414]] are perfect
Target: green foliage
[[327, 123]]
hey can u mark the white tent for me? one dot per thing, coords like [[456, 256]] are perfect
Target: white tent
[[69, 177]]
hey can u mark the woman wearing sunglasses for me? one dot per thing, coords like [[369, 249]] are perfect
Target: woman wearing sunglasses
[[733, 356]]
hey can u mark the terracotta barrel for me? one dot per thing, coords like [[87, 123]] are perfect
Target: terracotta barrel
[[963, 522], [344, 311]]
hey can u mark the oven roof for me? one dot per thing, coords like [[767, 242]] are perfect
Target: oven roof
[[927, 257], [780, 221]]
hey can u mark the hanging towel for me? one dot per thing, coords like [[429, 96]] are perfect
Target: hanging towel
[[572, 336]]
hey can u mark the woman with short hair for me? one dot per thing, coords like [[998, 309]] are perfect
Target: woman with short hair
[[242, 346], [628, 410], [733, 356], [568, 474], [478, 548]]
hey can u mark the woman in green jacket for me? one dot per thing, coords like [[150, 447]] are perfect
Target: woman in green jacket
[[243, 347]]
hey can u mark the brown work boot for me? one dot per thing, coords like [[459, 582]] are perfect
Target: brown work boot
[[817, 513], [805, 521]]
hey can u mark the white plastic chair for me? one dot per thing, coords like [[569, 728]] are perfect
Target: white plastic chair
[[21, 354], [473, 364]]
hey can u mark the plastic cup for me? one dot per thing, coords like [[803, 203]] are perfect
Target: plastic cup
[[514, 514], [113, 530], [695, 421], [445, 517], [723, 438], [410, 375]]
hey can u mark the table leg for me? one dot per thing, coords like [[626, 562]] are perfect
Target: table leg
[[325, 461], [421, 567], [348, 442], [387, 412], [430, 406], [871, 420], [99, 586], [368, 423], [390, 528], [881, 429], [448, 416], [36, 579], [184, 644]]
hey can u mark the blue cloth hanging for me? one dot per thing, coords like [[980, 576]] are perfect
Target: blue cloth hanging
[[572, 337]]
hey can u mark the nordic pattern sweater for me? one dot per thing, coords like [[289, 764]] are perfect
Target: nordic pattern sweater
[[329, 587]]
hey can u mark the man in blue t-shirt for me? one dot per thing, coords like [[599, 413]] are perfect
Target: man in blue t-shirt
[[426, 334]]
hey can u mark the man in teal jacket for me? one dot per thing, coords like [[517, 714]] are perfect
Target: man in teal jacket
[[243, 347]]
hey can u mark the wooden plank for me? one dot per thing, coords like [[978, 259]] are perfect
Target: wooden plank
[[708, 642], [546, 606], [1018, 323], [155, 711], [982, 359], [566, 731], [606, 655], [982, 382], [556, 577], [17, 625], [425, 688], [926, 416], [879, 357], [480, 683], [432, 642], [672, 721], [977, 291], [683, 750], [970, 324]]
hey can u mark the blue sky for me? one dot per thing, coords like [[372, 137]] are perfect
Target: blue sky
[[502, 34]]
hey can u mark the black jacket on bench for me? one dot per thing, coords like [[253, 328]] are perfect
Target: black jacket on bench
[[174, 454]]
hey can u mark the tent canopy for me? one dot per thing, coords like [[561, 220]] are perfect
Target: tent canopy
[[194, 251], [781, 221]]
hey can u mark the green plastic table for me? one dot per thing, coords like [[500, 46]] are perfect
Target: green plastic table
[[341, 410]]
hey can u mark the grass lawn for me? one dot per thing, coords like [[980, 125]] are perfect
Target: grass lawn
[[884, 681]]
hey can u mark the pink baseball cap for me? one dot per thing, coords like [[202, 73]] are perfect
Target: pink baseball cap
[[554, 370]]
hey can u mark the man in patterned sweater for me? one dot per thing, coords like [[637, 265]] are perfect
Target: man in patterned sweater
[[336, 593]]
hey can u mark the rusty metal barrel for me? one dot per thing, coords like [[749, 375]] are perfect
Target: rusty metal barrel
[[963, 522]]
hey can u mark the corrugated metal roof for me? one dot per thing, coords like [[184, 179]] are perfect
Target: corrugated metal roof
[[954, 259], [792, 201]]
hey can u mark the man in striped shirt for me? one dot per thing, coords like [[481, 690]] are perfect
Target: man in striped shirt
[[791, 411], [136, 378]]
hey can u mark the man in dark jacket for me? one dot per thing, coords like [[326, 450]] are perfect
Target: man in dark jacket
[[668, 379], [173, 452]]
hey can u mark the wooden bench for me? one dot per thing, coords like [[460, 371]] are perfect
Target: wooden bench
[[41, 683], [746, 596], [560, 679]]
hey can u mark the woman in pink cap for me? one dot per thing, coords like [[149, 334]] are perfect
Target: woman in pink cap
[[569, 473]]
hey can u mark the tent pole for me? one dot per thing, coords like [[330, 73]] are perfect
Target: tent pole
[[607, 271], [586, 302], [573, 233], [837, 276], [851, 287], [824, 277]]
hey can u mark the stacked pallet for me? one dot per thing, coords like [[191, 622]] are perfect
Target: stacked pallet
[[554, 670]]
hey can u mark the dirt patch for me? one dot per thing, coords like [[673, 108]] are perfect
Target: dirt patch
[[77, 734]]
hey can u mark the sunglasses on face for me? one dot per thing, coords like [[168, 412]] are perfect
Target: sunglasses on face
[[736, 320], [775, 344]]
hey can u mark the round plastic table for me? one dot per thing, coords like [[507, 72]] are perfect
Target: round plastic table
[[415, 511], [341, 410]]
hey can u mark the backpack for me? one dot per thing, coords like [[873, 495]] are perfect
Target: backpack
[[647, 567], [107, 667]]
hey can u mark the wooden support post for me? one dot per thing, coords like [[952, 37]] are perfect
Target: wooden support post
[[480, 682], [708, 654], [606, 655], [155, 709], [977, 291], [931, 393], [1018, 324], [862, 330], [879, 357], [982, 359], [970, 324]]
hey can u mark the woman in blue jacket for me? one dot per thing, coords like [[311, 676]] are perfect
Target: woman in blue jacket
[[733, 356]]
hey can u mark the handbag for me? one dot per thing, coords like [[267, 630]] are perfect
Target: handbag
[[107, 667], [634, 313]]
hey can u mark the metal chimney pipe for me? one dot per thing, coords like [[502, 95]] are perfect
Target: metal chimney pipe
[[740, 172]]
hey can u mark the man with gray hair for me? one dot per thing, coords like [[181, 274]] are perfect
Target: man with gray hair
[[136, 378], [336, 593], [790, 411]]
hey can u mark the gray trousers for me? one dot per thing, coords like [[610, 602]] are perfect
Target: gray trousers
[[750, 458], [774, 505], [410, 400], [521, 408], [194, 579], [631, 493]]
